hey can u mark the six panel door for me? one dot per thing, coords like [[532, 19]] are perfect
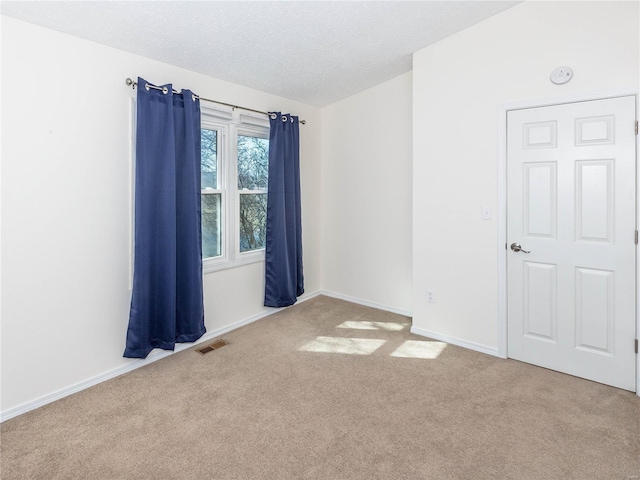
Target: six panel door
[[571, 197]]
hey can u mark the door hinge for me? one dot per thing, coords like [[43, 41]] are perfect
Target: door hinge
[[636, 237], [636, 345], [636, 127]]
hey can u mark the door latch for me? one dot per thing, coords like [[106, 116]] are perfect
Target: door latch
[[516, 247]]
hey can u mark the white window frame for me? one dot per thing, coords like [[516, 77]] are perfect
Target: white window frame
[[246, 132], [231, 124], [223, 189]]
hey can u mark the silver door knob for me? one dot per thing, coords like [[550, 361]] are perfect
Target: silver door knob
[[516, 247]]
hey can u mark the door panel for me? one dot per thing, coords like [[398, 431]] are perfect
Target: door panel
[[594, 310], [540, 301], [594, 200], [571, 194], [540, 195]]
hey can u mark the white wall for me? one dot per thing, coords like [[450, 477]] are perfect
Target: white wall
[[366, 195], [65, 208], [458, 84]]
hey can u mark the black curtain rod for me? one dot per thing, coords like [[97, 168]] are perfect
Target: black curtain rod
[[133, 84]]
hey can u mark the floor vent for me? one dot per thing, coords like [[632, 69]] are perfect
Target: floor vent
[[211, 347]]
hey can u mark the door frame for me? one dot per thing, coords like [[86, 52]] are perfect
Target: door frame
[[503, 109]]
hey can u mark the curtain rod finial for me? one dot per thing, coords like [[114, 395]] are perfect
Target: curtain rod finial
[[130, 83]]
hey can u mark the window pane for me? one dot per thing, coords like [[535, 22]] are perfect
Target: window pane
[[211, 235], [253, 163], [209, 158], [253, 215]]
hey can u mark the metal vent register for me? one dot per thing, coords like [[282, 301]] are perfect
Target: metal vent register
[[211, 347]]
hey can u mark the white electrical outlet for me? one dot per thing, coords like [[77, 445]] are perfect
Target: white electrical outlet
[[431, 296], [487, 212]]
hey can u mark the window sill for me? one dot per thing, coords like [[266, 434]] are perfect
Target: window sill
[[217, 265]]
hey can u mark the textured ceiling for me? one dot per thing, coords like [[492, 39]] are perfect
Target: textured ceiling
[[316, 52]]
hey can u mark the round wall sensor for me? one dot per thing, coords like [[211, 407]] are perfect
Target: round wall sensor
[[561, 75]]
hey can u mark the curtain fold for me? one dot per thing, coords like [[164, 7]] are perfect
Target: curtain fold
[[167, 298], [284, 280]]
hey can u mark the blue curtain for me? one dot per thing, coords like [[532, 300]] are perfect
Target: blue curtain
[[284, 281], [166, 303]]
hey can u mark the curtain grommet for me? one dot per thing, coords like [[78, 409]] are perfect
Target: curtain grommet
[[165, 90], [284, 119], [146, 87]]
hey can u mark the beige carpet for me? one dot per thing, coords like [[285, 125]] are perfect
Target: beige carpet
[[331, 390]]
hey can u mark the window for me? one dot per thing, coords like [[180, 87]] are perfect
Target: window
[[234, 169], [253, 171], [211, 194]]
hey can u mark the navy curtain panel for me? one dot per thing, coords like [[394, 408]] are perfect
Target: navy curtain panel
[[166, 302], [284, 281]]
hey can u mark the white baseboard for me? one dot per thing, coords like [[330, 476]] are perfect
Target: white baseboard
[[159, 354], [154, 356], [366, 303], [456, 341]]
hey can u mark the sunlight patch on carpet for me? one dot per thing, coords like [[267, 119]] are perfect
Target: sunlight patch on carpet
[[352, 346], [419, 349], [366, 325]]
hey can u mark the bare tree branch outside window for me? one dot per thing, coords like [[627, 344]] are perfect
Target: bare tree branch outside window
[[211, 241], [253, 171]]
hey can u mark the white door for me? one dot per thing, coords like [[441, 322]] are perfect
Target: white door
[[571, 196]]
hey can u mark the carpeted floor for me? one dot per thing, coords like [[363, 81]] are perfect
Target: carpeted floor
[[331, 390]]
